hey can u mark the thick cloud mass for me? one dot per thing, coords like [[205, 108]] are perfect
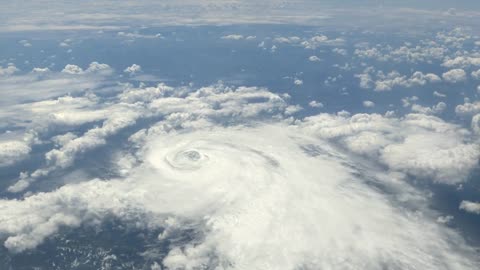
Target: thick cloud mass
[[259, 199], [419, 145], [261, 189]]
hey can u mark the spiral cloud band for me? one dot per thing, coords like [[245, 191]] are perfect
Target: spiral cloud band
[[259, 200], [270, 193]]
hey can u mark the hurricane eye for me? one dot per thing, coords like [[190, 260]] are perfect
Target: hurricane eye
[[192, 155], [187, 159]]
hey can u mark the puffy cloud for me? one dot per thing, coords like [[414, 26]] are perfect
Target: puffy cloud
[[314, 58], [233, 37], [40, 70], [435, 109], [298, 82], [25, 43], [365, 80], [468, 108], [292, 109], [94, 67], [454, 38], [444, 219], [462, 62], [368, 53], [419, 78], [340, 51], [310, 43], [289, 40], [321, 40], [45, 213], [444, 158], [13, 151], [408, 101], [476, 74], [115, 121], [410, 54], [455, 75], [420, 145], [77, 117], [63, 139], [393, 79], [368, 104], [315, 104], [438, 94], [216, 101], [99, 68], [69, 151], [476, 124], [386, 82], [471, 207], [72, 69], [9, 70], [133, 69]]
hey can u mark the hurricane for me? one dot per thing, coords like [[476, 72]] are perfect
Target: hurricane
[[240, 135], [260, 197]]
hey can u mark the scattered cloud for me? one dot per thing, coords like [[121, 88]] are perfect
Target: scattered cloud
[[386, 82], [445, 219], [462, 62], [470, 207], [9, 70], [468, 109], [233, 37], [475, 125], [438, 94], [133, 69], [12, 152], [435, 109], [476, 74], [25, 43], [455, 75], [319, 40], [315, 104], [368, 104], [311, 43], [137, 35], [340, 51], [72, 69]]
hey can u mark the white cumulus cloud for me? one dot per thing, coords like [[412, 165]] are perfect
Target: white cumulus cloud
[[455, 75], [471, 207]]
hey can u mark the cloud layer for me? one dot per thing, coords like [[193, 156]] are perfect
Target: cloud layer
[[261, 188]]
